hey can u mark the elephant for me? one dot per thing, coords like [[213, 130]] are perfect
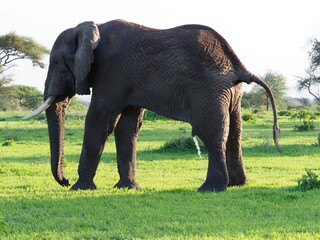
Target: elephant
[[188, 73]]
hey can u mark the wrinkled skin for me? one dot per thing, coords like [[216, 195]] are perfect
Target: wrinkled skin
[[188, 73]]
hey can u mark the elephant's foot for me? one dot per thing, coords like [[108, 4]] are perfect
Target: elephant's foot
[[206, 187], [127, 184], [239, 180], [83, 185]]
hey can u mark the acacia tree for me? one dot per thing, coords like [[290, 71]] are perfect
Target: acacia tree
[[311, 82], [4, 79], [14, 47]]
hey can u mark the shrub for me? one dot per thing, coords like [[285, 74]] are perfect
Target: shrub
[[317, 110], [304, 126], [308, 181], [305, 120], [8, 143], [249, 117], [182, 144], [255, 111], [285, 113], [152, 116], [76, 105]]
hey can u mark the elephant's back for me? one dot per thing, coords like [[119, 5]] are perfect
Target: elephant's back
[[168, 50]]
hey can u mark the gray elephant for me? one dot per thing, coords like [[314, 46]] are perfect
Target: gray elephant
[[188, 73]]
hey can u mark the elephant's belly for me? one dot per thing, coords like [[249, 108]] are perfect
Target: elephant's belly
[[174, 109], [181, 116]]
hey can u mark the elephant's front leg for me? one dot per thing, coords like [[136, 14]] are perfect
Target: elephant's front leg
[[236, 170], [99, 126], [126, 134]]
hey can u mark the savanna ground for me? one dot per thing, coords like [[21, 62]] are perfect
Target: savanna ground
[[270, 206]]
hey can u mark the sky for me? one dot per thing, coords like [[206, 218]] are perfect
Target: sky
[[265, 34]]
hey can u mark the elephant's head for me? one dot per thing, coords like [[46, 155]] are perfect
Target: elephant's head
[[70, 63]]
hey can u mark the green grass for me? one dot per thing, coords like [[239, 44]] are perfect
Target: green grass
[[270, 206]]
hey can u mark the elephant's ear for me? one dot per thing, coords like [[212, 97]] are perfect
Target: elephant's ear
[[88, 37]]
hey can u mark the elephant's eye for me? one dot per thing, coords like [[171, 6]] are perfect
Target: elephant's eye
[[54, 62], [57, 61]]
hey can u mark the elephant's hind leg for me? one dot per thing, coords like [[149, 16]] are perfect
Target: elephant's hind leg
[[236, 170], [212, 128], [126, 134]]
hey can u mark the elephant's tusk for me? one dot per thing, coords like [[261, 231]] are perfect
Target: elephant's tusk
[[41, 108]]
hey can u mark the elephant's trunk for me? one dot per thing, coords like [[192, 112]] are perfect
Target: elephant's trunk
[[55, 116]]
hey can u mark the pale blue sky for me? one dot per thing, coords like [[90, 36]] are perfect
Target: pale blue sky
[[265, 34]]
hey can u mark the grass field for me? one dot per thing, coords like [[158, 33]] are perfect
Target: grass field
[[34, 206]]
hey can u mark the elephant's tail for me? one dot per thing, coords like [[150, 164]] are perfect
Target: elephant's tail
[[248, 77]]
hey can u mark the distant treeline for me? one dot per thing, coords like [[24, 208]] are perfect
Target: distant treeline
[[26, 98]]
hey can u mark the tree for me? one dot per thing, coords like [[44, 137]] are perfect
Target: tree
[[251, 99], [19, 97], [4, 79], [29, 97], [8, 102], [311, 82], [14, 47], [257, 97]]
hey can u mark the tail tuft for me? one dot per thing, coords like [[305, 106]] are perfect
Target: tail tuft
[[276, 135]]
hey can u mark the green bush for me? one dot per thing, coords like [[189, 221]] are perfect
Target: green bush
[[75, 105], [308, 181], [249, 117], [152, 116], [182, 144], [19, 97], [304, 120], [285, 113], [8, 143], [255, 111], [304, 126], [317, 110]]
